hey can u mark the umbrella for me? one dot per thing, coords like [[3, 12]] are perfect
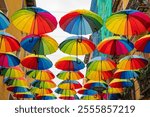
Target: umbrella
[[24, 95], [34, 20], [41, 74], [72, 75], [143, 44], [120, 83], [8, 60], [101, 64], [111, 90], [112, 96], [4, 21], [8, 43], [132, 62], [36, 62], [74, 97], [40, 91], [85, 91], [65, 92], [77, 45], [98, 75], [69, 84], [90, 97], [128, 22], [81, 22], [17, 89], [126, 74], [69, 64], [43, 84], [39, 44], [13, 72], [46, 97], [115, 46]]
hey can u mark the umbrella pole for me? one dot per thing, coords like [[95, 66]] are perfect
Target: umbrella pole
[[1, 41]]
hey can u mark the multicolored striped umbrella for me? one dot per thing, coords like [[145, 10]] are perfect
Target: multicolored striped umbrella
[[112, 96], [126, 74], [95, 84], [41, 74], [98, 75], [116, 46], [36, 62], [74, 97], [24, 95], [85, 91], [111, 90], [40, 91], [72, 75], [4, 21], [17, 89], [77, 45], [39, 44], [34, 20], [128, 22], [69, 64], [43, 84], [132, 62], [81, 22], [13, 72], [8, 60], [101, 64], [143, 44], [69, 84], [120, 83], [90, 97], [8, 43], [65, 92], [46, 97]]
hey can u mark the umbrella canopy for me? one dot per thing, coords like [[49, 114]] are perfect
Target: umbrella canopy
[[36, 62], [120, 83], [126, 74], [69, 64], [46, 97], [116, 46], [113, 90], [81, 22], [43, 84], [41, 74], [69, 84], [90, 97], [65, 92], [128, 22], [12, 72], [8, 60], [24, 95], [40, 91], [132, 62], [112, 96], [39, 44], [4, 21], [77, 45], [8, 43], [84, 91], [101, 64], [17, 89], [72, 75], [143, 44], [99, 75], [34, 20], [74, 97]]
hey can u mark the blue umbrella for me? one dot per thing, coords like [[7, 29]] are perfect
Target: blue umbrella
[[4, 21]]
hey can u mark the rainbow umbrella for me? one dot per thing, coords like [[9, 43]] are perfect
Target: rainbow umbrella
[[85, 91], [72, 75], [17, 89], [77, 45], [24, 95], [111, 90], [132, 62], [90, 97], [34, 20], [39, 44], [36, 62], [128, 22], [112, 96], [41, 74], [120, 83], [69, 84], [8, 60], [40, 91], [43, 84], [69, 64], [13, 72], [143, 44], [65, 92], [8, 43], [98, 75], [81, 22], [126, 74], [74, 97], [46, 97], [116, 46], [4, 21], [101, 64]]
